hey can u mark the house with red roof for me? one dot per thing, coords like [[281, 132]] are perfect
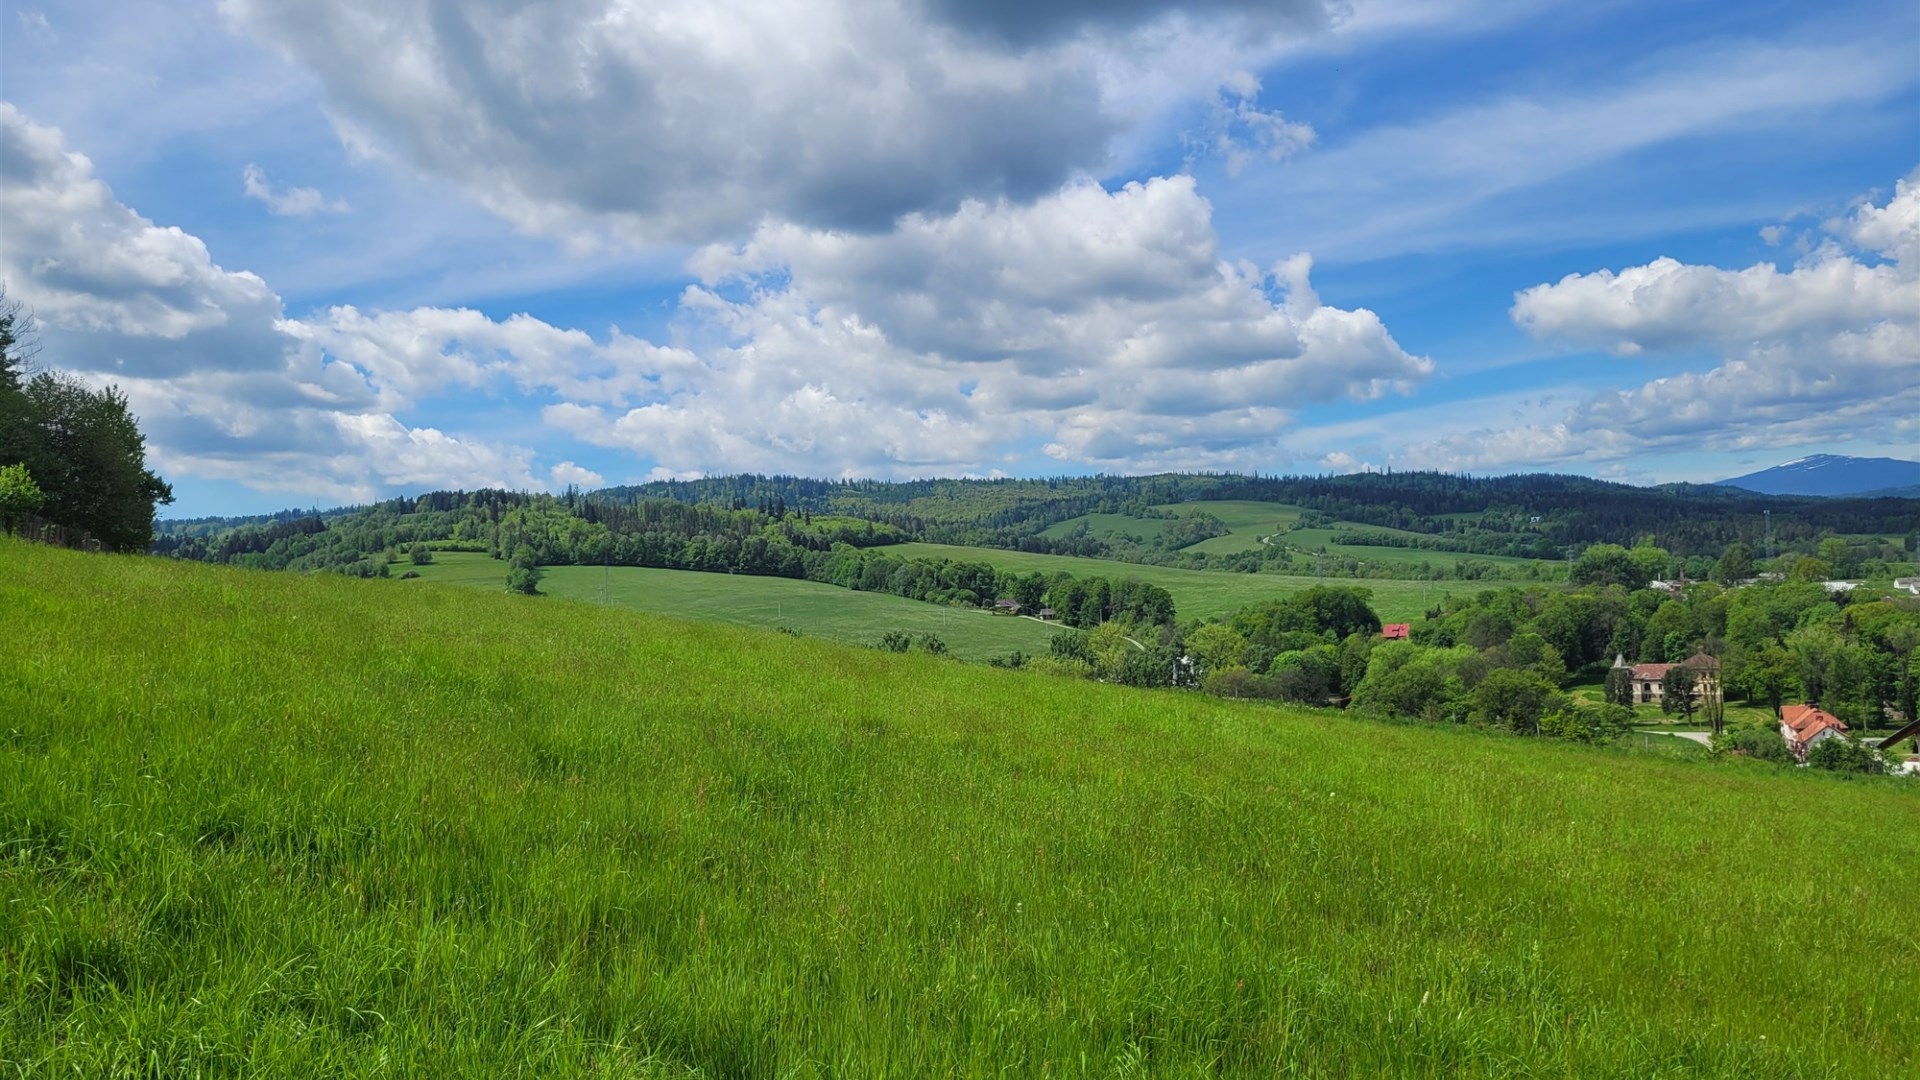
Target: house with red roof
[[1397, 631], [1804, 725], [1648, 679]]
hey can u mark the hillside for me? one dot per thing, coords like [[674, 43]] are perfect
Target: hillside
[[283, 825], [1835, 475], [805, 607]]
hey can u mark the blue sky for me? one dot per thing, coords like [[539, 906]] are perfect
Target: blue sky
[[335, 250]]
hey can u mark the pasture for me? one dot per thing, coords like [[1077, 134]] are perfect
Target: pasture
[[271, 825], [809, 607], [1204, 593], [1252, 521]]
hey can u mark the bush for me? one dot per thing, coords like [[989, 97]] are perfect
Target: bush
[[1761, 742], [1848, 755], [894, 641], [421, 554]]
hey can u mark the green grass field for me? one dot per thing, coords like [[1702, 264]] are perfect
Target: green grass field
[[1251, 521], [1105, 525], [271, 825], [814, 609], [1204, 593]]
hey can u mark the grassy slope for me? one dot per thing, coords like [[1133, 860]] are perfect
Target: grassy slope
[[267, 825], [824, 611], [1203, 593], [1251, 520]]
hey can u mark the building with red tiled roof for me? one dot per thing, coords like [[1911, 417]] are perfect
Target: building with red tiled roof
[[1648, 679], [1397, 631], [1803, 725]]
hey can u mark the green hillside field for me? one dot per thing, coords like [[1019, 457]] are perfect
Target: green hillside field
[[1204, 593], [1251, 522], [271, 825], [809, 607]]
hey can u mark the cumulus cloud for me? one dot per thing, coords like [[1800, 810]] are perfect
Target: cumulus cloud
[[1099, 327], [291, 202], [1828, 346], [1105, 326], [225, 384], [694, 121]]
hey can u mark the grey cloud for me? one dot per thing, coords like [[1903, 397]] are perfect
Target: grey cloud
[[675, 123], [1025, 23]]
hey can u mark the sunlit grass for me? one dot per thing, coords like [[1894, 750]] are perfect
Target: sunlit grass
[[1203, 593], [272, 825], [807, 607]]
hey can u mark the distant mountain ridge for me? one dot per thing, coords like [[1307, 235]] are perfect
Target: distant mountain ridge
[[1835, 474]]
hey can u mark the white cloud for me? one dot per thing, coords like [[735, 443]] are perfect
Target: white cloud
[[569, 474], [1826, 349], [1237, 131], [224, 383], [1102, 325], [695, 120], [292, 202]]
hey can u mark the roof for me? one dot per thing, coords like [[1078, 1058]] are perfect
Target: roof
[[1396, 630], [1701, 662], [1651, 672], [1806, 721]]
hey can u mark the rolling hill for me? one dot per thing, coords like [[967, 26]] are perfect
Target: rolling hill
[[301, 825]]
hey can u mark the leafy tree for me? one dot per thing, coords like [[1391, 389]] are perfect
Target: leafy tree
[[1847, 755], [420, 554], [1679, 692], [19, 496], [88, 457], [1651, 563], [1735, 565], [1768, 675], [1513, 699], [523, 574], [1809, 569], [1071, 646], [1618, 689], [1607, 564], [1217, 647]]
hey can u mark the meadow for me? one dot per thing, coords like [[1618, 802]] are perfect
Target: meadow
[[1251, 522], [266, 825], [1205, 593], [808, 607]]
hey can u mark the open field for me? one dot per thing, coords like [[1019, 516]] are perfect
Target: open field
[[814, 609], [1107, 525], [1313, 539], [276, 825], [1250, 521], [1205, 593]]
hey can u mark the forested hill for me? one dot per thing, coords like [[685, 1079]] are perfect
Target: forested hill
[[1535, 515]]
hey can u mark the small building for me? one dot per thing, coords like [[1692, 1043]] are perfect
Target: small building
[[1907, 584], [1397, 631], [1835, 588], [1047, 614], [1649, 679], [1006, 607], [1804, 725]]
